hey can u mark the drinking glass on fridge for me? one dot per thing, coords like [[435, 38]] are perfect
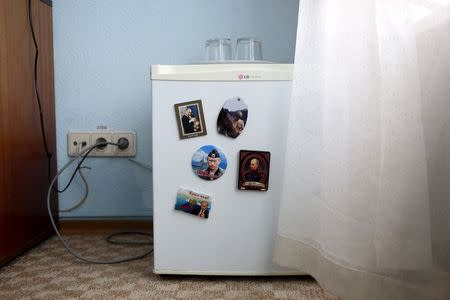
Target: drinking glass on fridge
[[248, 49], [218, 50]]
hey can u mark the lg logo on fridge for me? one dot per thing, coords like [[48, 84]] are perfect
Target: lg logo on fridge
[[247, 76]]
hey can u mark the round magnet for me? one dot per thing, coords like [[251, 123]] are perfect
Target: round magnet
[[209, 162], [232, 117]]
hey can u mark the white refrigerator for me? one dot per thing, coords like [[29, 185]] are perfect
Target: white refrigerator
[[238, 238]]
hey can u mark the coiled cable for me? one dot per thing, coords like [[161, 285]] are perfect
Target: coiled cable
[[83, 154]]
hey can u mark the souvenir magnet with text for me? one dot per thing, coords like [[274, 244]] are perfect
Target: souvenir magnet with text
[[193, 203]]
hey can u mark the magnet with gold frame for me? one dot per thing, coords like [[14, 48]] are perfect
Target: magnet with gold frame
[[254, 169]]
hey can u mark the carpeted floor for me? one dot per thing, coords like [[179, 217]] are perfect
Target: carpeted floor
[[49, 272]]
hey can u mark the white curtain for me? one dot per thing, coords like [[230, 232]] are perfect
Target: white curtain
[[366, 199]]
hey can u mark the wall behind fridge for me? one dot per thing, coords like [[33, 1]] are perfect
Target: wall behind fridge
[[103, 52]]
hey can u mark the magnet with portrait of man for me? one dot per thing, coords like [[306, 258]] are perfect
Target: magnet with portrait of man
[[190, 119], [254, 167], [209, 162]]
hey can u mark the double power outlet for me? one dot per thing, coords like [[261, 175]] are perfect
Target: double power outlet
[[78, 141]]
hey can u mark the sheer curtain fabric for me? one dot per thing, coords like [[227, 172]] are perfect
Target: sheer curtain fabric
[[366, 198]]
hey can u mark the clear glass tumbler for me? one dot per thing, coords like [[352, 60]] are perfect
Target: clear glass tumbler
[[248, 49], [218, 50]]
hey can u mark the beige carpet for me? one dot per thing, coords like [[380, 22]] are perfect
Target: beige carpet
[[49, 272]]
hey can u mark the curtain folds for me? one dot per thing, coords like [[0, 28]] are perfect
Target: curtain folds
[[366, 198]]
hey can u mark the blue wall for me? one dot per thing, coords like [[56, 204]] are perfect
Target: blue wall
[[103, 52]]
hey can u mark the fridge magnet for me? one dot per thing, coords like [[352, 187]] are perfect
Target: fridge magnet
[[232, 117], [190, 119], [209, 162], [193, 203], [254, 170]]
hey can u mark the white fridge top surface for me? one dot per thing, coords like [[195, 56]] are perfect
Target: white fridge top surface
[[223, 72]]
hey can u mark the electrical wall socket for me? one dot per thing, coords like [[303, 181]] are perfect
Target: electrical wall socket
[[98, 137], [76, 142], [88, 138], [131, 137]]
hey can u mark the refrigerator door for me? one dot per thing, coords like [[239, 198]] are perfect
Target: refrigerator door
[[238, 238]]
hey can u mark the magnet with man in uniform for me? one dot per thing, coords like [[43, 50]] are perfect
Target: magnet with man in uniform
[[209, 162]]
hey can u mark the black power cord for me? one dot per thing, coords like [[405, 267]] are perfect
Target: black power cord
[[38, 100], [36, 90]]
